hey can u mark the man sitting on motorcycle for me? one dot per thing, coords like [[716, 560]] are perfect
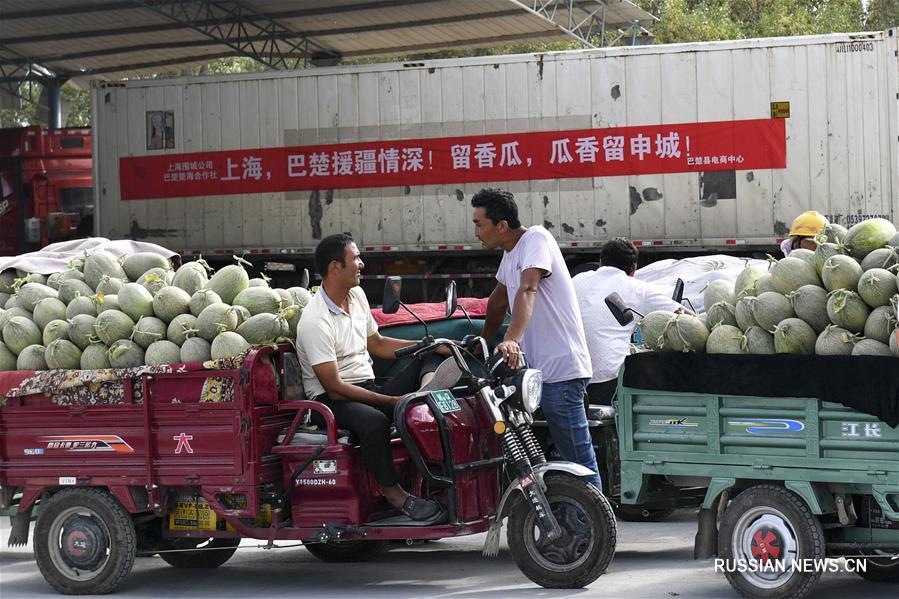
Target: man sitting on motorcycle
[[336, 338], [608, 341]]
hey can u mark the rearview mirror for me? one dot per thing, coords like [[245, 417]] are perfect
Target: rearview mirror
[[304, 278], [622, 313], [393, 286], [678, 291], [451, 299]]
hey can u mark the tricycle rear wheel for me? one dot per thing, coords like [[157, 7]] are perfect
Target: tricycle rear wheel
[[211, 552], [346, 551], [764, 529], [84, 542], [588, 540]]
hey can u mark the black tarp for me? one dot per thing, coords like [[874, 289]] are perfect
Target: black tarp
[[869, 384]]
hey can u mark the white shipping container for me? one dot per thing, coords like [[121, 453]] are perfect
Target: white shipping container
[[841, 92]]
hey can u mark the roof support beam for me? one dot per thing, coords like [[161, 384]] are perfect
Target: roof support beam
[[287, 14], [260, 37], [584, 20], [241, 28]]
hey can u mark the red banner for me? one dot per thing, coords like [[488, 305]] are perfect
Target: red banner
[[651, 149]]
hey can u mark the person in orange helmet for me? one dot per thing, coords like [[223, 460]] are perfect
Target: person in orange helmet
[[802, 234]]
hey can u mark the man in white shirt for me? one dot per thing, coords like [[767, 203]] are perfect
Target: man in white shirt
[[546, 324], [608, 341], [335, 339]]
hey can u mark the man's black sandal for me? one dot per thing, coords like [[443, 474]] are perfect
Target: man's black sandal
[[420, 509]]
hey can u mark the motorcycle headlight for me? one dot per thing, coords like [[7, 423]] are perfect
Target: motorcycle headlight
[[531, 385]]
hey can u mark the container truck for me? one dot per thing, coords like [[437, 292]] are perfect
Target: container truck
[[45, 187], [683, 148]]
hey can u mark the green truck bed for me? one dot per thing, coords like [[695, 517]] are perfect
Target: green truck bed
[[731, 437]]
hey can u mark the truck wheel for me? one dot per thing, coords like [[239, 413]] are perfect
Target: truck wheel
[[84, 542], [346, 551], [634, 513], [763, 530], [881, 569], [587, 544], [211, 553]]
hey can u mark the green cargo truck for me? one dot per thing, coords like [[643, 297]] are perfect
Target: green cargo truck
[[790, 480]]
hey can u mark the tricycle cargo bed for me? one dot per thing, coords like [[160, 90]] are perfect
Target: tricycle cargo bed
[[720, 438], [145, 426]]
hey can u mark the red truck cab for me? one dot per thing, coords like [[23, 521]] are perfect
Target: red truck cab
[[46, 187]]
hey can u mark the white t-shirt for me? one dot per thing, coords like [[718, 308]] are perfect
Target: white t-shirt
[[328, 334], [554, 338], [608, 341]]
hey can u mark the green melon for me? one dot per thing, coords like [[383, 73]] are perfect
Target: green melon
[[685, 333], [841, 272], [835, 341], [880, 324], [725, 339], [871, 347], [770, 308], [876, 286], [846, 309], [810, 304], [867, 236], [794, 336], [759, 341], [652, 328]]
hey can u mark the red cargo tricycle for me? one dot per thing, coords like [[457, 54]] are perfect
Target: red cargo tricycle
[[174, 469]]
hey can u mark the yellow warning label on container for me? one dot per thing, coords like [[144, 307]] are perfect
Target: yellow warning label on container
[[780, 110]]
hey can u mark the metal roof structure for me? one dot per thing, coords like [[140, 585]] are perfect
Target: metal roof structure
[[60, 40]]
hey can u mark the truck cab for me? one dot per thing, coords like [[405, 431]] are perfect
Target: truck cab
[[46, 187]]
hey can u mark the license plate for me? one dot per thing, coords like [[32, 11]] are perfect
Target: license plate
[[445, 401]]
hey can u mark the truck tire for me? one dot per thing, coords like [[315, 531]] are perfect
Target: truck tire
[[346, 551], [84, 542], [587, 545], [881, 569], [763, 527], [211, 553]]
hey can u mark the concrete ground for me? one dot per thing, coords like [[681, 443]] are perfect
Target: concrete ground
[[653, 561]]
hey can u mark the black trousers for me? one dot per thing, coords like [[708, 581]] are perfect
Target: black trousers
[[371, 424], [602, 393]]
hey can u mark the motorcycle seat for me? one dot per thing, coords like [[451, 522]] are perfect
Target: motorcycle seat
[[314, 436]]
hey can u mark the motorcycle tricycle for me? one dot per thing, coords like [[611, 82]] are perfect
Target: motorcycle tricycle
[[165, 472]]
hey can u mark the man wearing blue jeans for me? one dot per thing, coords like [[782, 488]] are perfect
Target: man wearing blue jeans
[[546, 322]]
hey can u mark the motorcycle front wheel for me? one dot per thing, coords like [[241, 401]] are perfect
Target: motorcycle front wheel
[[587, 544]]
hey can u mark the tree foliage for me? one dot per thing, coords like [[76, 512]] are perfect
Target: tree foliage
[[706, 20], [679, 21]]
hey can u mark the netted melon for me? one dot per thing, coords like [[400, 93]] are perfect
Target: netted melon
[[841, 272], [758, 341], [794, 336], [867, 236], [880, 324], [835, 341], [871, 347], [652, 328], [684, 333], [725, 339], [810, 304], [719, 290], [848, 310], [770, 308], [792, 273], [876, 286]]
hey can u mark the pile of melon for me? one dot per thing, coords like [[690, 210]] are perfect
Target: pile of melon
[[125, 311], [837, 300]]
